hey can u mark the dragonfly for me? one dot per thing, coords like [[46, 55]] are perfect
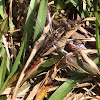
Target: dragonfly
[[49, 42], [51, 38], [52, 41]]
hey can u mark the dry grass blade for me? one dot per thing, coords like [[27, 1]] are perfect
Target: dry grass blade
[[90, 62], [33, 92], [90, 51], [50, 3], [87, 92], [7, 91], [68, 34], [90, 19], [53, 88], [16, 30], [85, 39], [83, 85], [84, 31], [41, 93]]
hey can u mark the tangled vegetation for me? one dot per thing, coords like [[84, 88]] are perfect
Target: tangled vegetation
[[49, 50]]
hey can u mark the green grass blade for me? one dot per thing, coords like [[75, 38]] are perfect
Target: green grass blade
[[67, 86], [3, 69], [95, 4], [97, 40], [97, 17], [41, 19], [30, 22], [2, 8], [97, 37]]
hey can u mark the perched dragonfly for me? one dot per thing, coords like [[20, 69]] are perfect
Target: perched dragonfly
[[52, 40]]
